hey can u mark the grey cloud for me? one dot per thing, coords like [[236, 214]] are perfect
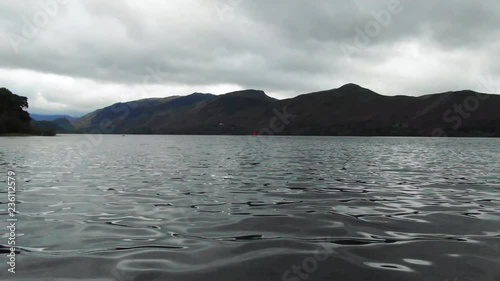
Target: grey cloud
[[283, 47]]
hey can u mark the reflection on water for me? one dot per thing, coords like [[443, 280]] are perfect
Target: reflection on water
[[264, 208]]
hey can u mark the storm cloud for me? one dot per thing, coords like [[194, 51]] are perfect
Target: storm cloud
[[73, 56]]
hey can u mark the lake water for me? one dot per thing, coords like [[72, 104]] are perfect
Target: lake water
[[253, 208]]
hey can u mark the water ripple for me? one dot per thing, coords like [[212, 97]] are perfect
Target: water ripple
[[234, 208]]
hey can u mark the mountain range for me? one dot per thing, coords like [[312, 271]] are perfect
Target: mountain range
[[44, 117], [348, 110]]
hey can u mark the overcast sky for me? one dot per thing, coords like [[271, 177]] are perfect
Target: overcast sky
[[70, 56]]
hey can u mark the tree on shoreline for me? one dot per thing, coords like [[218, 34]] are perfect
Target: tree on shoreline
[[14, 119]]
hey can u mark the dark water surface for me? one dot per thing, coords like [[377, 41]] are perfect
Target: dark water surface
[[240, 208]]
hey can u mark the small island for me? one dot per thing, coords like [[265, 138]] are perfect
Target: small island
[[15, 120]]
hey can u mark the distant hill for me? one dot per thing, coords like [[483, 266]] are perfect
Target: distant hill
[[61, 125], [129, 117], [42, 117], [348, 110]]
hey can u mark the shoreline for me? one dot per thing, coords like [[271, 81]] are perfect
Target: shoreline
[[341, 136], [23, 135]]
